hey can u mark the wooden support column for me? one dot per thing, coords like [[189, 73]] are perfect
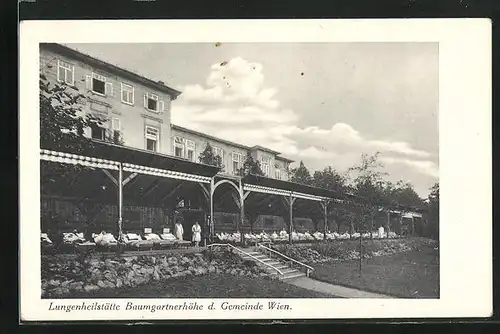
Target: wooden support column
[[212, 227], [388, 222], [120, 201], [290, 201], [325, 211], [412, 225]]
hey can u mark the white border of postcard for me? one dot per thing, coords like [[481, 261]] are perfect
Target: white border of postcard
[[465, 158]]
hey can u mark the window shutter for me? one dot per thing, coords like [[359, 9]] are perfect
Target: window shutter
[[108, 87], [145, 100], [116, 124], [161, 106], [72, 75], [88, 82], [58, 70], [133, 93]]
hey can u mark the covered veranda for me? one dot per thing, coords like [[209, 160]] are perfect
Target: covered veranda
[[122, 177]]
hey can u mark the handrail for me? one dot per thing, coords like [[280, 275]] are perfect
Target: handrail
[[249, 255], [286, 257]]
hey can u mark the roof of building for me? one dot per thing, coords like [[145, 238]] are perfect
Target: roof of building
[[159, 85], [228, 142]]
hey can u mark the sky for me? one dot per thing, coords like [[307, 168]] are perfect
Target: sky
[[321, 103]]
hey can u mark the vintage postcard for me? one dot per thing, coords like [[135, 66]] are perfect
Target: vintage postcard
[[255, 169]]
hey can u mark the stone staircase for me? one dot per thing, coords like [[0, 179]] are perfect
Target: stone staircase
[[288, 273]]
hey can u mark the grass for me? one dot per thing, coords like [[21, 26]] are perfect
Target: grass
[[412, 274], [209, 286]]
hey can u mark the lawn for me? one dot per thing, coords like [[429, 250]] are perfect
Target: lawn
[[412, 274], [209, 286]]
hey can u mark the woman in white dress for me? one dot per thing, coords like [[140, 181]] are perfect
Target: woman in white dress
[[179, 231], [196, 229]]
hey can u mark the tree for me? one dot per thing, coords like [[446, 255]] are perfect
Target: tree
[[433, 205], [402, 193], [368, 184], [301, 175], [250, 166], [329, 179], [61, 121], [62, 125], [208, 157]]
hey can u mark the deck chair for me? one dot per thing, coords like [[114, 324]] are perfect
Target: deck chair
[[158, 242], [134, 241], [105, 241]]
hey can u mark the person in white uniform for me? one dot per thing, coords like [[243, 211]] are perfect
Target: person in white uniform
[[196, 229], [179, 231]]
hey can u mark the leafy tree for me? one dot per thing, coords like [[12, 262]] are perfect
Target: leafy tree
[[368, 184], [433, 205], [402, 193], [209, 157], [250, 166], [62, 127], [329, 179], [301, 175], [61, 121]]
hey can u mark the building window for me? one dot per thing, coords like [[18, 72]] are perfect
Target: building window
[[265, 165], [115, 126], [65, 72], [152, 138], [278, 173], [178, 147], [98, 85], [153, 103], [219, 152], [127, 94], [98, 131], [190, 149], [237, 162]]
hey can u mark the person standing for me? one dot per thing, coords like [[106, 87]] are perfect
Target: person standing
[[179, 231], [196, 229]]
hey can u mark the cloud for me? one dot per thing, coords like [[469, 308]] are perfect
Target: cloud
[[345, 136], [426, 167], [236, 105]]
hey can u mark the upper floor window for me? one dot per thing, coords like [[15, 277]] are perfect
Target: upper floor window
[[219, 152], [265, 165], [98, 85], [237, 161], [116, 127], [153, 103], [98, 131], [65, 72], [178, 147], [152, 138], [127, 94], [190, 150], [278, 173]]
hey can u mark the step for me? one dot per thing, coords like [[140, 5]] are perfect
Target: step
[[272, 263], [286, 277], [285, 272], [283, 266], [260, 257]]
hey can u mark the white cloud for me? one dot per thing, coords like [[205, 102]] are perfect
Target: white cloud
[[236, 105], [423, 166], [342, 134]]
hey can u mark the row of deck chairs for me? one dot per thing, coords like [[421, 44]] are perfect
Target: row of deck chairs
[[283, 236], [74, 241]]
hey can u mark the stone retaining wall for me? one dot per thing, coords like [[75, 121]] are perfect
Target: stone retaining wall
[[62, 277]]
